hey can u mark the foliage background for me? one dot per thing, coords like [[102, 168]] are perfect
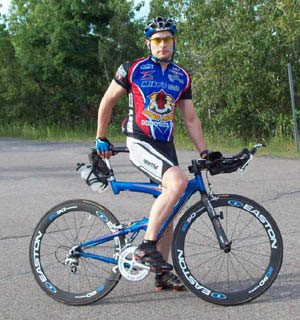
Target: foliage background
[[57, 58]]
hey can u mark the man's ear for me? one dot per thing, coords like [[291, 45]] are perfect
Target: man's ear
[[148, 43]]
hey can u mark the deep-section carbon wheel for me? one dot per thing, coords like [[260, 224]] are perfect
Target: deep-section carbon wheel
[[240, 275], [63, 274]]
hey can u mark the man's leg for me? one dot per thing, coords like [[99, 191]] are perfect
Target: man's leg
[[174, 182], [169, 280], [165, 242], [158, 160]]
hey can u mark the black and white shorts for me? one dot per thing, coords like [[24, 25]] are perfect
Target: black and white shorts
[[152, 157]]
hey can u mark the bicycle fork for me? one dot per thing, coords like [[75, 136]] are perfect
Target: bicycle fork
[[224, 243]]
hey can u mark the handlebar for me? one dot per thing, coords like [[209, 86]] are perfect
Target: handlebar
[[216, 166], [252, 151], [116, 150], [256, 147], [225, 164]]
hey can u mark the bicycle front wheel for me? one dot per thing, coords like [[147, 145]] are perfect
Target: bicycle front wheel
[[240, 275], [70, 278]]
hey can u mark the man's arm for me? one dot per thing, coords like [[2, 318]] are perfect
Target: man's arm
[[112, 94], [193, 124]]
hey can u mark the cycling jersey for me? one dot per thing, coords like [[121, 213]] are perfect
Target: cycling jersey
[[153, 95]]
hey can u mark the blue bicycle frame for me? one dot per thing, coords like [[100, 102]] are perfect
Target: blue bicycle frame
[[194, 185]]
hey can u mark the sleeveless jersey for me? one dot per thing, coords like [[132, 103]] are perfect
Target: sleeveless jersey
[[153, 96]]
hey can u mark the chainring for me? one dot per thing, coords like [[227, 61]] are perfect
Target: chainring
[[129, 268]]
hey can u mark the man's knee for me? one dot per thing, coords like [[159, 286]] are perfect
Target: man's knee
[[182, 183], [175, 179]]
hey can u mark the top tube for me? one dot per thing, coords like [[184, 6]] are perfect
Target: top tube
[[216, 166], [154, 189], [194, 185]]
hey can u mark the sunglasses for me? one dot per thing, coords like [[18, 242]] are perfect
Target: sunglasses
[[158, 41]]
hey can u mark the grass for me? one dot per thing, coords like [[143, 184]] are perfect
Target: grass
[[283, 147], [57, 133]]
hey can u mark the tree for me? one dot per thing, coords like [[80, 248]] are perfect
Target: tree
[[58, 56], [10, 84], [159, 8], [67, 51], [238, 57]]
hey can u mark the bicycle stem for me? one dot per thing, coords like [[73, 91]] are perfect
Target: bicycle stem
[[215, 219]]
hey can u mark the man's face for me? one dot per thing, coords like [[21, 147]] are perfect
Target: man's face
[[161, 45]]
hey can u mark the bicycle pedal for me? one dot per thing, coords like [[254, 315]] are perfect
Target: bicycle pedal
[[158, 270], [152, 268]]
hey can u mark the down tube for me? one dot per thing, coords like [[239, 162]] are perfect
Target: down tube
[[192, 187]]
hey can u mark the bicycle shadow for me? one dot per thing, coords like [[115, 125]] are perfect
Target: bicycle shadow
[[286, 287], [146, 297]]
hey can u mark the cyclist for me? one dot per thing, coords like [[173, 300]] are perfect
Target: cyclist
[[155, 86]]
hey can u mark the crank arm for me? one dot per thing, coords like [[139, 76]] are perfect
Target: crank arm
[[140, 266]]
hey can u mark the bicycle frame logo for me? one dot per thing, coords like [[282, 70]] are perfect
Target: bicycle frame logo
[[193, 281], [37, 264]]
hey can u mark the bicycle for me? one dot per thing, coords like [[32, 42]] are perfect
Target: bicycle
[[226, 249]]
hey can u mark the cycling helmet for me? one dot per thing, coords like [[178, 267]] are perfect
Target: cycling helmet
[[159, 24]]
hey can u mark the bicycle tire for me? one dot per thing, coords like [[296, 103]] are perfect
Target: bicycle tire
[[244, 273], [64, 226]]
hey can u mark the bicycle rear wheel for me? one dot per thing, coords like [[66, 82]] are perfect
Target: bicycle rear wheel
[[63, 227], [240, 275]]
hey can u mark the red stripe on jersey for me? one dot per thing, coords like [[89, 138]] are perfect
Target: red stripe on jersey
[[139, 107], [133, 67]]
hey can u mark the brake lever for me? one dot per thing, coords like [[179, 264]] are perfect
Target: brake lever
[[256, 147], [246, 163], [251, 154]]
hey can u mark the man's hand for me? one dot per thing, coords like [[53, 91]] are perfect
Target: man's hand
[[103, 147], [204, 154], [211, 155]]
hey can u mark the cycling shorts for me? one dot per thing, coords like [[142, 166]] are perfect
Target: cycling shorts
[[152, 157]]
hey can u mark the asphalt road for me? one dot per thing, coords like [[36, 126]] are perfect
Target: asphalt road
[[34, 176]]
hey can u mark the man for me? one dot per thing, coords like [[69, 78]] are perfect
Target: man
[[155, 87]]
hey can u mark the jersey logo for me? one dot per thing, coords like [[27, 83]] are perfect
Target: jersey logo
[[147, 75], [118, 76], [176, 71], [161, 107], [161, 102], [147, 66], [121, 72]]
